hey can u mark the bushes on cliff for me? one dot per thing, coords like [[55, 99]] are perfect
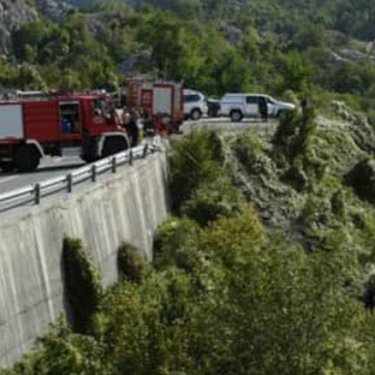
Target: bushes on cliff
[[200, 185], [82, 283], [251, 304], [175, 244], [132, 265], [195, 160], [213, 200], [63, 352], [228, 294]]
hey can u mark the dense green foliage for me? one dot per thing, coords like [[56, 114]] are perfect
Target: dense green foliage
[[215, 46], [82, 284], [65, 56], [267, 265], [132, 267], [255, 274]]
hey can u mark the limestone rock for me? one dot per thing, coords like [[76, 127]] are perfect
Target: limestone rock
[[13, 14]]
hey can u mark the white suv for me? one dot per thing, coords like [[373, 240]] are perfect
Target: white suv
[[195, 104], [238, 106]]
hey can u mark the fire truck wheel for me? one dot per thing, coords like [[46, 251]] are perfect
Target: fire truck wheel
[[114, 145], [26, 158], [7, 166]]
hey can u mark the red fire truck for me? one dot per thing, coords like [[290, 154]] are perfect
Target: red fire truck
[[161, 103], [82, 124]]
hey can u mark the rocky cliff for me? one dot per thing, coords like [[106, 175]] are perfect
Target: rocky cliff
[[15, 13]]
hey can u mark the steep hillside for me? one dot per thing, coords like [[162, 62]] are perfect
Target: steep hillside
[[352, 18], [53, 9], [16, 13], [13, 14], [79, 3], [266, 268]]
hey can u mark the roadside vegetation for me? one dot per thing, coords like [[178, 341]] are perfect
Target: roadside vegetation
[[266, 266]]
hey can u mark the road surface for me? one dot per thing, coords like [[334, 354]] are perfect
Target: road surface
[[49, 167], [54, 167]]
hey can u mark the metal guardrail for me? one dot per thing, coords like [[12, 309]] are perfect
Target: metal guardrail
[[33, 194]]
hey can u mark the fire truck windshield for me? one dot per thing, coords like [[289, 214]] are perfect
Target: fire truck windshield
[[101, 107]]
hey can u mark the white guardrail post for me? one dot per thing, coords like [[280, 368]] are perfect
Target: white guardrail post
[[34, 194]]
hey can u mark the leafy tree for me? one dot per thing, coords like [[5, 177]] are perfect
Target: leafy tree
[[213, 200], [193, 163], [63, 352], [295, 73]]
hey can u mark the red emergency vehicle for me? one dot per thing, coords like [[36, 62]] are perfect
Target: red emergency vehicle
[[82, 124], [160, 102]]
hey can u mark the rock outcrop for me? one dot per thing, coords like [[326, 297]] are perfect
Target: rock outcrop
[[55, 10], [13, 14]]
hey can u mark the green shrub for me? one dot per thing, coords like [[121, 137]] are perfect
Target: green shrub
[[175, 244], [213, 200], [83, 284], [63, 352], [249, 150], [131, 264], [195, 160]]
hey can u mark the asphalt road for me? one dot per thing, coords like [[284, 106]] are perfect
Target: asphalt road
[[54, 167], [49, 167]]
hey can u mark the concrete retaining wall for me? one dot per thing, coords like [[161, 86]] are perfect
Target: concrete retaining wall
[[126, 207]]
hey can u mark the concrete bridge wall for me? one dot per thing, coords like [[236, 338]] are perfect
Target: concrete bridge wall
[[127, 206]]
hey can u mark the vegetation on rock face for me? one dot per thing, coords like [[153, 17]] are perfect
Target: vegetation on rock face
[[258, 277], [268, 265], [82, 285], [132, 266], [195, 163]]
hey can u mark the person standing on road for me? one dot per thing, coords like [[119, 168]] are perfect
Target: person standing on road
[[132, 127], [263, 109]]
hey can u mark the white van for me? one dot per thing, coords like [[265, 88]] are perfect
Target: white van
[[238, 106]]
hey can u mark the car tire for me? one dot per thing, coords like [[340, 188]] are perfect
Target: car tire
[[236, 116], [195, 114], [26, 158]]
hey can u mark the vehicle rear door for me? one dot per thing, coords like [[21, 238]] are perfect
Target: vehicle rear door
[[251, 106]]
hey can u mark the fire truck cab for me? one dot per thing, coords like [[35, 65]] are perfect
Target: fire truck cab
[[77, 124]]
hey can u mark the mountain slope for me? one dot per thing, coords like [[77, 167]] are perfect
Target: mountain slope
[[16, 13], [13, 14]]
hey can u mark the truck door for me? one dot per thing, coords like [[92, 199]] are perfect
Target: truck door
[[271, 106], [70, 120], [252, 106], [163, 100]]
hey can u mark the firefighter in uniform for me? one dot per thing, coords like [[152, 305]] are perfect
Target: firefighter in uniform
[[130, 119]]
